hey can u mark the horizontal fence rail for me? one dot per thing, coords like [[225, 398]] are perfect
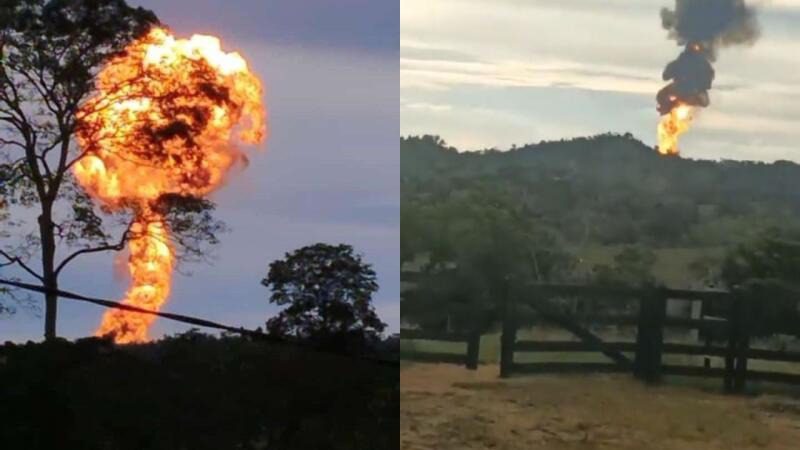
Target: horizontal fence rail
[[468, 359], [434, 335], [668, 348], [621, 292], [633, 319], [567, 367]]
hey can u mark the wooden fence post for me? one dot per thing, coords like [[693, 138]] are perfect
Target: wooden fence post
[[473, 349], [659, 312], [643, 337], [743, 344], [650, 336], [708, 342], [733, 343], [509, 337]]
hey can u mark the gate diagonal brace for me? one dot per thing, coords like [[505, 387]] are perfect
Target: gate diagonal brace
[[547, 312]]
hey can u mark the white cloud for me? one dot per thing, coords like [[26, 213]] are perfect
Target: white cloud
[[439, 74], [715, 119], [433, 107], [785, 5]]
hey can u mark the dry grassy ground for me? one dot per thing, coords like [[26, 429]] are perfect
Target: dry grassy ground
[[447, 407]]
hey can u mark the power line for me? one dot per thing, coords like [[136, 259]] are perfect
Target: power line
[[118, 305], [175, 317]]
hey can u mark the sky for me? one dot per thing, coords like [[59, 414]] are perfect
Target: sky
[[329, 171], [493, 73]]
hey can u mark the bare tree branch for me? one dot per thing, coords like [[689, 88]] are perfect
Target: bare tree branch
[[11, 142], [16, 260], [118, 246]]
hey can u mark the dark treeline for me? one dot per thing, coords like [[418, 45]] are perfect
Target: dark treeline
[[193, 391]]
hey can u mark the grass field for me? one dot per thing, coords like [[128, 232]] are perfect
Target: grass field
[[447, 407]]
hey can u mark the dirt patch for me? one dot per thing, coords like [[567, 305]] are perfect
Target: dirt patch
[[447, 407]]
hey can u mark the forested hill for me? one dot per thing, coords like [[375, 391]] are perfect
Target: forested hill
[[607, 190]]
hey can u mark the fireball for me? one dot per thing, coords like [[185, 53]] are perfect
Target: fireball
[[166, 119]]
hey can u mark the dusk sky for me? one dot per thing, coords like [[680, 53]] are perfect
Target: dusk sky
[[485, 74], [329, 171]]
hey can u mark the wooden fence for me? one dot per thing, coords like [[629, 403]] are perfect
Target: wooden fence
[[468, 359], [648, 349]]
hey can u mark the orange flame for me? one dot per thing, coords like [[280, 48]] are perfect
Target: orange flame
[[165, 120], [672, 125], [150, 266]]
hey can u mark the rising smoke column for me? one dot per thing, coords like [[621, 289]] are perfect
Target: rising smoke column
[[702, 27], [165, 122]]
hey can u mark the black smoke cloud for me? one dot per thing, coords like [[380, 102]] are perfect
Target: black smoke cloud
[[702, 27]]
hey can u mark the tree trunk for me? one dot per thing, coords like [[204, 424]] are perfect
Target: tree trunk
[[46, 232]]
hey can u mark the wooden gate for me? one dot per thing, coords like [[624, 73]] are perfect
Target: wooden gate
[[649, 348], [644, 357]]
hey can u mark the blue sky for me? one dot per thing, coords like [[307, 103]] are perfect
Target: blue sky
[[329, 171], [485, 74]]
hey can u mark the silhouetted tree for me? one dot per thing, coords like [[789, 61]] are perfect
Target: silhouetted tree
[[327, 291], [3, 289], [50, 54]]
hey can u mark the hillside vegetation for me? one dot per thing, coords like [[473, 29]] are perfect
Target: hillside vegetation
[[590, 198]]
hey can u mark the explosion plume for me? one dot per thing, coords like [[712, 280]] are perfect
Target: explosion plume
[[165, 121], [702, 27]]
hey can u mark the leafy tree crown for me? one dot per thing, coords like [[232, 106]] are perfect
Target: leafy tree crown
[[327, 291]]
